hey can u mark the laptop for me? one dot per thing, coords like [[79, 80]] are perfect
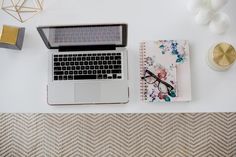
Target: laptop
[[88, 64]]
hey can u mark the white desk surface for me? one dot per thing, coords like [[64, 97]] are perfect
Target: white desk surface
[[23, 74]]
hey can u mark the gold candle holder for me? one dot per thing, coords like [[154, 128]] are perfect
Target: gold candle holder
[[22, 10], [12, 37], [221, 56]]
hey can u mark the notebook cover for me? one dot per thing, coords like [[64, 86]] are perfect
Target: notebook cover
[[165, 71]]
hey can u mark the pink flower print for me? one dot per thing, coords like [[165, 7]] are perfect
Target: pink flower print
[[161, 95], [162, 74]]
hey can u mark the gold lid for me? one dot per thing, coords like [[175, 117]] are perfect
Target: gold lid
[[224, 54], [9, 35], [0, 33]]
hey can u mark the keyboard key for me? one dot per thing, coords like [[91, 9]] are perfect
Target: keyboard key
[[70, 77], [116, 71], [83, 77], [58, 72], [55, 77], [56, 63], [117, 66], [99, 76], [118, 57], [57, 68]]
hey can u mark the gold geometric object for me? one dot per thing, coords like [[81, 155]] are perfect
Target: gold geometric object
[[12, 37], [9, 35], [22, 10], [224, 54]]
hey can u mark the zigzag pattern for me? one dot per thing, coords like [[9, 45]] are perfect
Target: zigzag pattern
[[165, 135]]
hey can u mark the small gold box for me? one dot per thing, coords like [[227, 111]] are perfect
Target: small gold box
[[12, 37]]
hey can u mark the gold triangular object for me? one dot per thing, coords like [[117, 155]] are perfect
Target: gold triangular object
[[22, 10]]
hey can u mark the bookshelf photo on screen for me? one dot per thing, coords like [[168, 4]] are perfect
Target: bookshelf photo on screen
[[165, 71]]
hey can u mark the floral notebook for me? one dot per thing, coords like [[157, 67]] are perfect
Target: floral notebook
[[165, 71]]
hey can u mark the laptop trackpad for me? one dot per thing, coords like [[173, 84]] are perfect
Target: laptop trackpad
[[87, 92]]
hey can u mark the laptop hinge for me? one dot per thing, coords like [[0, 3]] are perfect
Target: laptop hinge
[[87, 48]]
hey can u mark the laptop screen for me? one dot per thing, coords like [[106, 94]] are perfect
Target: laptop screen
[[84, 35]]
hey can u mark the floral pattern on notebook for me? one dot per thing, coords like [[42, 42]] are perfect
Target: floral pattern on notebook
[[160, 69], [176, 48]]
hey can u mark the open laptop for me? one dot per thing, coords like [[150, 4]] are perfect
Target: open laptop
[[89, 64]]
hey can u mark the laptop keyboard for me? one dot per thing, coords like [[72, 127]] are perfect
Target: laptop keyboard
[[87, 66]]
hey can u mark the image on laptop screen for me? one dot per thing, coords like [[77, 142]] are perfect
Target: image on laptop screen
[[84, 35]]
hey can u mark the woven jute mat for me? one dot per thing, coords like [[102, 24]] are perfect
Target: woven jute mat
[[164, 135]]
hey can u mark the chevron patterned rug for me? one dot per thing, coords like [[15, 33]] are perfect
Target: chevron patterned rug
[[132, 135]]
